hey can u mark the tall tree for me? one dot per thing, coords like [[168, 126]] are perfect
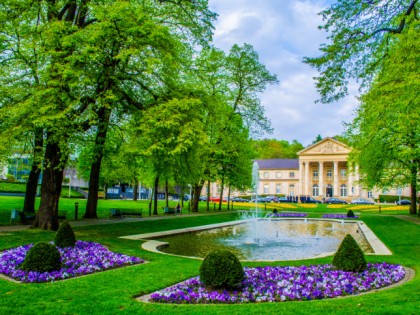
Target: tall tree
[[360, 33], [385, 134]]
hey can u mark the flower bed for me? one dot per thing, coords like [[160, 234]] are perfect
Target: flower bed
[[338, 216], [276, 284], [287, 214], [84, 258]]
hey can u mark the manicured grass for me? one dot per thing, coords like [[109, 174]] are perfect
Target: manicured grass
[[113, 292], [20, 188]]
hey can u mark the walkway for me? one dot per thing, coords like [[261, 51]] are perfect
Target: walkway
[[409, 218], [85, 222]]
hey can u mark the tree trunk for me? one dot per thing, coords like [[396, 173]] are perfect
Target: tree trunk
[[95, 170], [228, 199], [155, 192], [51, 188], [32, 184], [221, 193], [196, 197], [208, 195], [166, 194], [135, 190], [413, 185]]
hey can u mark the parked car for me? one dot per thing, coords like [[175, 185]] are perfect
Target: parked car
[[271, 199], [216, 199], [187, 197], [259, 199], [239, 199], [404, 202], [312, 200], [202, 198], [335, 201], [362, 201], [282, 199]]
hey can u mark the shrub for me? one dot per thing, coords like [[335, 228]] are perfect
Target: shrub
[[221, 269], [349, 256], [65, 236], [350, 214], [42, 257]]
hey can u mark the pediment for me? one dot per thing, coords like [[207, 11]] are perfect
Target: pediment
[[326, 146]]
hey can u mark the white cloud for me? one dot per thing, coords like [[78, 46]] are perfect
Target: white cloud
[[283, 32]]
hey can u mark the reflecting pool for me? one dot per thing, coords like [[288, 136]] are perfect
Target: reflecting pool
[[280, 240]]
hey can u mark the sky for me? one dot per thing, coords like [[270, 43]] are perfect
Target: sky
[[283, 32]]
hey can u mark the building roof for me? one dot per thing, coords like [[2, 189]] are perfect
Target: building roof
[[271, 164]]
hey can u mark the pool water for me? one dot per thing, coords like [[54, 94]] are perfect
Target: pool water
[[275, 240]]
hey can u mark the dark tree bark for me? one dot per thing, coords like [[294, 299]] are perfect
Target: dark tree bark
[[166, 194], [196, 196], [222, 187], [92, 202], [135, 190], [413, 185], [51, 187], [208, 195], [155, 192], [32, 184]]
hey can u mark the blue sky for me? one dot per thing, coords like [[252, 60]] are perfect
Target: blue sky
[[283, 32]]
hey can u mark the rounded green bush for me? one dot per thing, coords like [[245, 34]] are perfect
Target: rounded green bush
[[65, 236], [349, 256], [350, 214], [42, 257], [221, 269]]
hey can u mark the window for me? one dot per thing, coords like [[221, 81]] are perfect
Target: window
[[291, 193], [343, 190], [292, 185], [266, 189], [278, 175], [315, 173], [370, 195], [315, 190], [278, 189], [352, 190], [329, 173], [343, 173], [266, 175], [292, 174]]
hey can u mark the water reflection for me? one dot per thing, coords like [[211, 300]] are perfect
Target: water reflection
[[281, 240]]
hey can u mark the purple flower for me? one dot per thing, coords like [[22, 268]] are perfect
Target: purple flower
[[286, 214], [277, 284], [338, 216], [84, 258]]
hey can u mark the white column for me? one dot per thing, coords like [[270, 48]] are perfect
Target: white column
[[321, 179], [336, 192], [306, 178], [301, 166]]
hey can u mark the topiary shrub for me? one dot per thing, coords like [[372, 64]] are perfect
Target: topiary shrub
[[221, 269], [65, 236], [42, 257], [350, 214], [349, 256]]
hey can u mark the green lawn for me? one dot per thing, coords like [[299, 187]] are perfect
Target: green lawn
[[113, 292], [20, 188]]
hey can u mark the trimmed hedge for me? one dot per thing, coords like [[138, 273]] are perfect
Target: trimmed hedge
[[221, 269], [65, 236], [42, 257], [349, 256]]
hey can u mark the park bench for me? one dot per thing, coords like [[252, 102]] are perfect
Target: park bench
[[29, 217], [119, 212], [170, 210]]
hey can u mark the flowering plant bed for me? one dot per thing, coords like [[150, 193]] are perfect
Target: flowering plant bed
[[287, 214], [82, 259], [338, 216], [276, 284]]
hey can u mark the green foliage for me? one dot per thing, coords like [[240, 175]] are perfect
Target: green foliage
[[221, 269], [65, 236], [349, 256], [42, 257], [277, 149], [350, 214]]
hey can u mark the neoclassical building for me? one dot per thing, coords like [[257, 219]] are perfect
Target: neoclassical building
[[322, 170]]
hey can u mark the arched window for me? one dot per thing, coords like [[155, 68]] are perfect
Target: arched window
[[343, 190], [315, 190]]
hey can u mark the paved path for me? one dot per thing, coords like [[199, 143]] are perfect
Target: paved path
[[84, 222], [409, 218]]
